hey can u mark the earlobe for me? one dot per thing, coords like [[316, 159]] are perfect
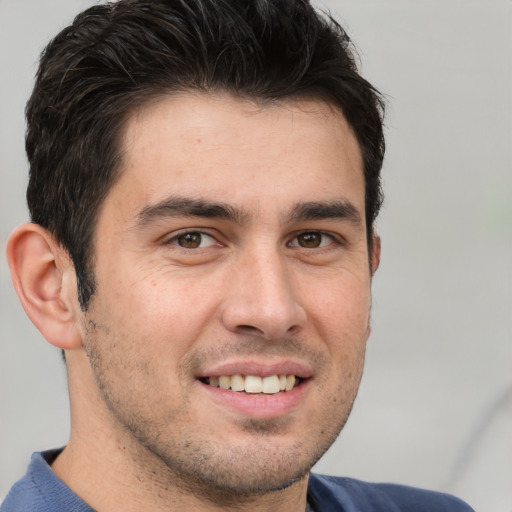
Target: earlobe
[[375, 256], [43, 277]]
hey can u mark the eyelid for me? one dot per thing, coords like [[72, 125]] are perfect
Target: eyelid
[[335, 238], [171, 238]]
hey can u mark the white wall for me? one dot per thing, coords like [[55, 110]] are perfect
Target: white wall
[[435, 407]]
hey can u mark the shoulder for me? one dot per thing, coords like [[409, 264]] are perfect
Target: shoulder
[[39, 490], [329, 493]]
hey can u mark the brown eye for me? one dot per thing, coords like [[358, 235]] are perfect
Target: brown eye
[[309, 240], [190, 240], [193, 240], [312, 240]]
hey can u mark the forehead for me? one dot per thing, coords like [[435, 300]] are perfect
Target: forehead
[[239, 150]]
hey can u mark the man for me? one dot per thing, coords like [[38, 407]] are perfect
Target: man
[[204, 181]]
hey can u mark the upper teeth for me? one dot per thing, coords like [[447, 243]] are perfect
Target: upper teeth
[[254, 383]]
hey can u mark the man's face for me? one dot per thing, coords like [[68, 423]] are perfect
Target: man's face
[[233, 244]]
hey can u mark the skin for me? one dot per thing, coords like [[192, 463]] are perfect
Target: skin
[[247, 289]]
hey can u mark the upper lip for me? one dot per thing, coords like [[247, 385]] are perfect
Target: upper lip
[[260, 368]]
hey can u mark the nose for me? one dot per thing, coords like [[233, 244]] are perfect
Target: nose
[[262, 299]]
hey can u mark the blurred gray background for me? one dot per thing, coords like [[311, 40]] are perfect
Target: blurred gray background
[[435, 406]]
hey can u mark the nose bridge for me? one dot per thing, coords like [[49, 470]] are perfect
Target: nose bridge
[[270, 281], [263, 301]]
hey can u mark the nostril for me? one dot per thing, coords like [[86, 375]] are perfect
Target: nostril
[[249, 329], [294, 329]]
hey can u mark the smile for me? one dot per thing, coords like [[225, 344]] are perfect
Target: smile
[[254, 384]]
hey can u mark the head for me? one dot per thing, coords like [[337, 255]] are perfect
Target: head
[[118, 57], [209, 172]]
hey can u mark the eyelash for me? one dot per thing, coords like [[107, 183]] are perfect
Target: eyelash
[[334, 239], [174, 239]]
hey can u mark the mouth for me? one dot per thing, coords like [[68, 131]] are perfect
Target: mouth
[[258, 389], [254, 384]]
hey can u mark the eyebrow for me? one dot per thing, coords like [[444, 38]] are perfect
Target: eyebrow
[[320, 210], [188, 207]]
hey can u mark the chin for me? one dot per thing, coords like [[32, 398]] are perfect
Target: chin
[[222, 485], [259, 464]]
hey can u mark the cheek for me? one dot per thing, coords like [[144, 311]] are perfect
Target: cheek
[[340, 310], [161, 313], [339, 316]]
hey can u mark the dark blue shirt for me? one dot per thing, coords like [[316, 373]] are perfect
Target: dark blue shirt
[[40, 490]]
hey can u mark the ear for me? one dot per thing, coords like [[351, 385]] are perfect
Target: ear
[[375, 254], [44, 278]]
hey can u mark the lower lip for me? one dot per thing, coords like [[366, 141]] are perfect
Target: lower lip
[[258, 405]]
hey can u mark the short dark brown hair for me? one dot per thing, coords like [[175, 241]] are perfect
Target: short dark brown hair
[[116, 57]]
